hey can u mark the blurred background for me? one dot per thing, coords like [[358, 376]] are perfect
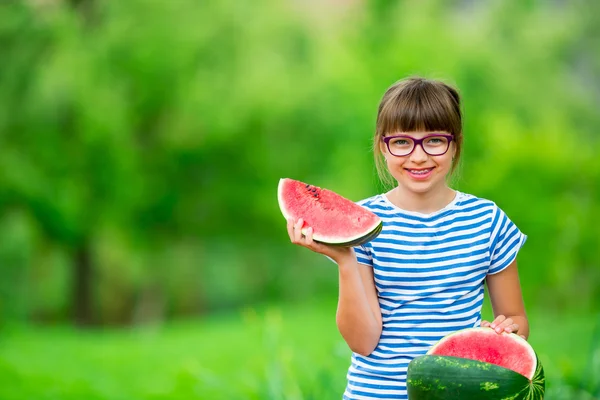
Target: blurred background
[[142, 251]]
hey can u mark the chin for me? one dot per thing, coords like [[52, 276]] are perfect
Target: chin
[[420, 187]]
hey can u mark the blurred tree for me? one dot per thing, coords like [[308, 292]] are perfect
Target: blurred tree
[[139, 154]]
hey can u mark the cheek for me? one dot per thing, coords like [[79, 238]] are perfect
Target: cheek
[[395, 162], [444, 162]]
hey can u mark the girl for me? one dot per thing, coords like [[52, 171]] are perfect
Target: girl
[[423, 276]]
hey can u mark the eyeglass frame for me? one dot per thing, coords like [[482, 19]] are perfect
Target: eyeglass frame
[[418, 142]]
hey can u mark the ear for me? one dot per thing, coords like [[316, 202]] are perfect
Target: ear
[[453, 145]]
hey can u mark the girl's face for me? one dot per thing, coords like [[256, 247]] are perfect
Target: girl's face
[[419, 172]]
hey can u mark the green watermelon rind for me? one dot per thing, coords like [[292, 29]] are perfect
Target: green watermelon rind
[[361, 240], [433, 377]]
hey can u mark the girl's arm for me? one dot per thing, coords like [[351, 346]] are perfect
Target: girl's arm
[[507, 302], [358, 315]]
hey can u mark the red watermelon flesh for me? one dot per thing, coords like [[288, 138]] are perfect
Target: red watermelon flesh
[[333, 218], [507, 350]]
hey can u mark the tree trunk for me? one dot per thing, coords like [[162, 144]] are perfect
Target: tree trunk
[[83, 311], [84, 7]]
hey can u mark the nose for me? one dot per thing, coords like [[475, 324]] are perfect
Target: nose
[[418, 155]]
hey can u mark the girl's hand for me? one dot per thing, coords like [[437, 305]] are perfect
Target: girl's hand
[[336, 253], [502, 324]]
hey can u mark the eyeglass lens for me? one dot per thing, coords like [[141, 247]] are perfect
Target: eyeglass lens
[[434, 145]]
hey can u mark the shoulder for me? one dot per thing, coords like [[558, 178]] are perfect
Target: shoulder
[[497, 219], [378, 205], [470, 202], [373, 203]]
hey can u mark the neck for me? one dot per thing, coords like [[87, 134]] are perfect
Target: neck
[[425, 203]]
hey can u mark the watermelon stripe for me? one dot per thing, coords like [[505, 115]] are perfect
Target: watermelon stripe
[[441, 377]]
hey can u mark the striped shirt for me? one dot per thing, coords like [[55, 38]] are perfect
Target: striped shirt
[[429, 273]]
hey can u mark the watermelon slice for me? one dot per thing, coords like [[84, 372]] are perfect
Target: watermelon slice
[[484, 344], [334, 219], [477, 363]]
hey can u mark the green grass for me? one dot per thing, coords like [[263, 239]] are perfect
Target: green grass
[[274, 352]]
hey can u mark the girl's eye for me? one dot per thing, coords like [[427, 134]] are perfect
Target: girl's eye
[[400, 142], [436, 140]]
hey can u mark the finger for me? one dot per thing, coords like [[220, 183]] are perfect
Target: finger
[[485, 324], [506, 323], [298, 230], [290, 228], [512, 328], [308, 236], [523, 336], [499, 319]]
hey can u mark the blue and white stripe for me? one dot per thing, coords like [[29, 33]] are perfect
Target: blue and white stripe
[[429, 273]]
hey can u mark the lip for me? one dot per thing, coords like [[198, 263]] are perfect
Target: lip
[[419, 177]]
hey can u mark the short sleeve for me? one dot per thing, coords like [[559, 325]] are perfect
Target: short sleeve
[[505, 242], [364, 255]]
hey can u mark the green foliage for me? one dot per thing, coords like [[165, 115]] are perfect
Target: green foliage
[[271, 352], [152, 134]]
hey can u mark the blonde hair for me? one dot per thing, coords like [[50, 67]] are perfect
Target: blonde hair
[[417, 104]]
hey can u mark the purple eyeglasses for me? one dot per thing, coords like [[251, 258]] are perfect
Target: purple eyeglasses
[[435, 144]]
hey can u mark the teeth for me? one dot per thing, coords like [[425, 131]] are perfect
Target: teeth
[[419, 172]]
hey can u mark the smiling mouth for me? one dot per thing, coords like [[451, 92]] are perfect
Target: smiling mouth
[[419, 171]]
